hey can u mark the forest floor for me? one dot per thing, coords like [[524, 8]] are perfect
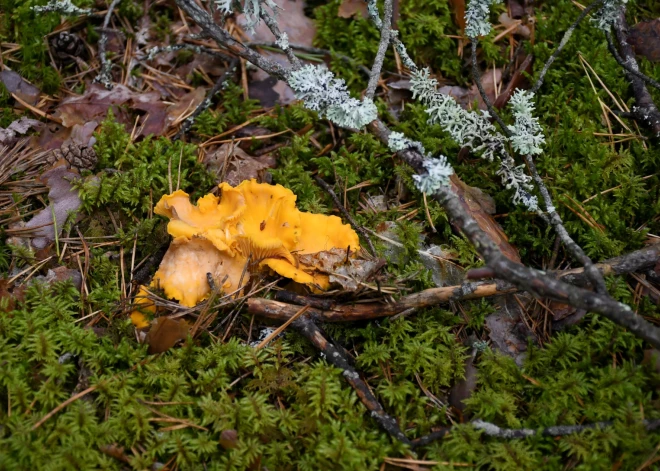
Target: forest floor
[[107, 109]]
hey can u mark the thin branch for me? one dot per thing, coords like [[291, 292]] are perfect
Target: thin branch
[[282, 39], [337, 357], [316, 50], [105, 74], [493, 430], [563, 42], [328, 189], [382, 49], [188, 122], [646, 110], [626, 65], [223, 38]]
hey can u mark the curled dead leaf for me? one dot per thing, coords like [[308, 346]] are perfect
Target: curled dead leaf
[[165, 333]]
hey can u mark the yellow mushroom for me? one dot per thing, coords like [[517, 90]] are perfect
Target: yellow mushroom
[[253, 221], [142, 305], [182, 274]]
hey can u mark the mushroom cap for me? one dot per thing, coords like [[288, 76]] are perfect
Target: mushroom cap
[[322, 233], [270, 227], [287, 270], [142, 305], [182, 274], [211, 212]]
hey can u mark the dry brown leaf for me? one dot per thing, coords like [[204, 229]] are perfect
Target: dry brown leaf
[[240, 165], [645, 38], [480, 206], [94, 104], [507, 330], [64, 202], [165, 333], [344, 271], [17, 85], [185, 106], [9, 135], [354, 8]]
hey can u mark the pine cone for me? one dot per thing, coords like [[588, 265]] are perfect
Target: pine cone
[[67, 45], [78, 157]]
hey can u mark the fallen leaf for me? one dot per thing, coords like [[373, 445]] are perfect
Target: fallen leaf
[[185, 106], [645, 39], [443, 271], [347, 272], [507, 331], [240, 165], [480, 206], [8, 136], [490, 79], [64, 203], [464, 387], [353, 8], [458, 8], [165, 333], [519, 80], [94, 104], [19, 86], [228, 439], [61, 273], [521, 30]]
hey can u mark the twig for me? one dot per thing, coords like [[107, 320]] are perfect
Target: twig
[[328, 189], [536, 282], [282, 39], [563, 42], [151, 53], [646, 110], [382, 49], [190, 120], [633, 70], [281, 328], [105, 74], [316, 50], [493, 430], [337, 357]]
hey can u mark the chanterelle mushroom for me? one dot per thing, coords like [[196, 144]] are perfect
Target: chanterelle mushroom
[[253, 223]]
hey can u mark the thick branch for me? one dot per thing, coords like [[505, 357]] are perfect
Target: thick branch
[[326, 310], [626, 65], [524, 278]]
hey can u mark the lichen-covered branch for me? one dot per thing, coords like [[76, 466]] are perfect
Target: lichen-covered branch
[[382, 49], [105, 74]]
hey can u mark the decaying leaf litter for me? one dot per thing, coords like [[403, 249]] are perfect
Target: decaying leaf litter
[[78, 199]]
